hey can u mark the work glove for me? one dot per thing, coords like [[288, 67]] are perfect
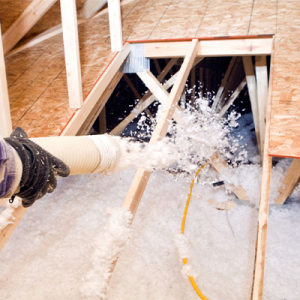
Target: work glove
[[40, 168]]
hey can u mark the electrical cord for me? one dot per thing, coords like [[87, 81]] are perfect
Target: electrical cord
[[185, 261]]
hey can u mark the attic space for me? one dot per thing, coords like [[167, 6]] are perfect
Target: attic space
[[149, 149]]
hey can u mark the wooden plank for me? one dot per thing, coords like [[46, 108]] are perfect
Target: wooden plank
[[193, 85], [72, 56], [28, 18], [223, 83], [90, 7], [115, 25], [158, 91], [100, 104], [147, 98], [47, 34], [8, 230], [154, 86], [289, 181], [207, 48], [136, 94], [80, 116], [262, 227], [201, 82], [157, 66], [252, 90], [232, 98], [142, 105], [5, 117], [141, 178], [220, 165], [102, 121], [262, 93]]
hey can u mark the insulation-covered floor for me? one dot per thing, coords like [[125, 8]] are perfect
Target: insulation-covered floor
[[50, 253]]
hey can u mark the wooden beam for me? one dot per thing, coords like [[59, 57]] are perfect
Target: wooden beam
[[98, 89], [72, 56], [100, 104], [252, 90], [136, 94], [51, 32], [115, 25], [142, 176], [5, 117], [28, 18], [89, 8], [102, 121], [142, 105], [158, 91], [223, 83], [289, 182], [193, 85], [157, 66], [207, 48], [220, 165], [262, 226], [262, 93], [232, 98], [147, 98], [5, 233]]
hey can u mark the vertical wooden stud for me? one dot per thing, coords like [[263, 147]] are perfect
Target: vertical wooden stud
[[71, 47], [115, 25]]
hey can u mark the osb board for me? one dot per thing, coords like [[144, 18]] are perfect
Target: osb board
[[37, 81], [38, 91], [11, 10], [285, 113]]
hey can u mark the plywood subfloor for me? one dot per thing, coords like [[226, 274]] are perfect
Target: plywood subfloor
[[37, 81]]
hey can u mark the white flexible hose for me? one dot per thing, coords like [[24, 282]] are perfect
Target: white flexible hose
[[84, 154]]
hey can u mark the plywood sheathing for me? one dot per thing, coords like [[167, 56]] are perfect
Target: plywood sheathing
[[285, 114], [10, 11], [36, 76]]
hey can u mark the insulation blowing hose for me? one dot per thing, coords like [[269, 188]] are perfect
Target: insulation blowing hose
[[185, 261], [82, 154]]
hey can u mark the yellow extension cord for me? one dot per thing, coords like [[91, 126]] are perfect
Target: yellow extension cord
[[191, 278]]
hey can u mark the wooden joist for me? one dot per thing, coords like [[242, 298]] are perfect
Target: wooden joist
[[219, 164], [99, 88], [89, 8], [289, 182], [141, 106], [142, 176], [223, 83], [102, 121], [252, 90], [158, 90], [28, 18], [115, 25], [207, 48], [193, 85], [72, 56], [262, 226], [49, 33], [5, 117], [136, 93], [100, 105], [146, 100], [262, 94], [232, 98]]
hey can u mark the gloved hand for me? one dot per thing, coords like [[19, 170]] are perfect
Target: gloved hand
[[39, 168]]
